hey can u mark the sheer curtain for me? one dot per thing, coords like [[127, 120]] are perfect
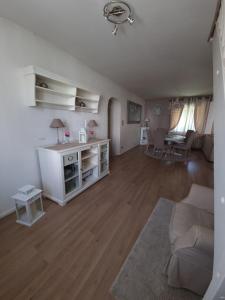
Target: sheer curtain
[[201, 113], [187, 118], [192, 115], [175, 116]]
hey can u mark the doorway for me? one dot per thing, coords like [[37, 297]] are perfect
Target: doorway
[[114, 120]]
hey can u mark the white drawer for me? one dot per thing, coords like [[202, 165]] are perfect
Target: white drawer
[[69, 159]]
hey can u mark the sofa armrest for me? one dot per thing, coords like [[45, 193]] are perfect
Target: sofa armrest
[[201, 197], [197, 237], [208, 147]]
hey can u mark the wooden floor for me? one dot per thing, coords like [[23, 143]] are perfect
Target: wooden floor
[[76, 251]]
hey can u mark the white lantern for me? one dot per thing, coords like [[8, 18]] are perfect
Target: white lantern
[[28, 202], [82, 136]]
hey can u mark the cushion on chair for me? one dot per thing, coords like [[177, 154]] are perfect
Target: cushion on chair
[[184, 216]]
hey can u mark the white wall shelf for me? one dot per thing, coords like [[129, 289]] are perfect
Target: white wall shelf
[[54, 103], [46, 89], [87, 101], [84, 98], [54, 91]]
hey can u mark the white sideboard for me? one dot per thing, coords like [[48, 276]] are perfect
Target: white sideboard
[[69, 169]]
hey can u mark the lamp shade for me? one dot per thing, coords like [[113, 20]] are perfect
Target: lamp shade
[[92, 123], [57, 123]]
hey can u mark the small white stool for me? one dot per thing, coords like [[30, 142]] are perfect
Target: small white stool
[[29, 207]]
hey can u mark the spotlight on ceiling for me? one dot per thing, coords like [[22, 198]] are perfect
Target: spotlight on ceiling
[[130, 20], [118, 12], [115, 30]]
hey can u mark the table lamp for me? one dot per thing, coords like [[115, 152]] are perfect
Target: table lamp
[[91, 125], [57, 123], [147, 122]]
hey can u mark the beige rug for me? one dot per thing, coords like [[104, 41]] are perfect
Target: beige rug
[[141, 276], [166, 157]]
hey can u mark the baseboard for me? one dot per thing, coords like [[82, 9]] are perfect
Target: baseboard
[[6, 213]]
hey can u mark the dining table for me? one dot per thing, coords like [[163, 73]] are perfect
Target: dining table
[[174, 139], [171, 140]]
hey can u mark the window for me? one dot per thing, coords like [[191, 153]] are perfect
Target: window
[[187, 118]]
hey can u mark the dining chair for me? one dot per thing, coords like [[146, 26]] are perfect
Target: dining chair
[[159, 142], [188, 133], [185, 147], [150, 139]]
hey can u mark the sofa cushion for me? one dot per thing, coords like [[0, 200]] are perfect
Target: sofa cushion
[[198, 238], [184, 216], [208, 147]]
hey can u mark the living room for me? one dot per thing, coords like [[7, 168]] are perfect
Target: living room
[[78, 191]]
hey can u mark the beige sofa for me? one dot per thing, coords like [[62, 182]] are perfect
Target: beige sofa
[[208, 147], [205, 142], [191, 236]]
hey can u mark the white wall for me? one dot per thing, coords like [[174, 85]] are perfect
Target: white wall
[[23, 129], [162, 120], [217, 286], [115, 125]]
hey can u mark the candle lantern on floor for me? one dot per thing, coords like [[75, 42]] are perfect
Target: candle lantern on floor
[[28, 202]]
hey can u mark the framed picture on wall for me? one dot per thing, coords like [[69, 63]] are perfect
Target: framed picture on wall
[[133, 113], [157, 110]]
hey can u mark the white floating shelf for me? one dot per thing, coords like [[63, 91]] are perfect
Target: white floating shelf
[[86, 99], [54, 92], [59, 92], [53, 103]]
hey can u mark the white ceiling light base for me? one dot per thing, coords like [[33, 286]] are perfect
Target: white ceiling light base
[[118, 12]]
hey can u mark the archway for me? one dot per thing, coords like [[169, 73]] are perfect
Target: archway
[[114, 125]]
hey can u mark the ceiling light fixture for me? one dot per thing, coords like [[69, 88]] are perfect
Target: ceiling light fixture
[[118, 12]]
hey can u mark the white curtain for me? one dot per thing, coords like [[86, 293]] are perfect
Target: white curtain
[[175, 115], [194, 115], [201, 114], [187, 120]]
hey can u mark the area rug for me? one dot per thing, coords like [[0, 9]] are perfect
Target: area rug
[[166, 157], [141, 276]]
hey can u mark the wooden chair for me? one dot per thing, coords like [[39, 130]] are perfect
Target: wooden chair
[[150, 140], [159, 142], [188, 133], [185, 147]]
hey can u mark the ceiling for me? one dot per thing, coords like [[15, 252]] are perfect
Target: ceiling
[[164, 53]]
